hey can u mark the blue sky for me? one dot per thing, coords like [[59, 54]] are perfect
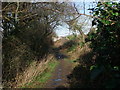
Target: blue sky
[[64, 31]]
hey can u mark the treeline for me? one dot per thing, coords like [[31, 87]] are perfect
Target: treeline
[[27, 35]]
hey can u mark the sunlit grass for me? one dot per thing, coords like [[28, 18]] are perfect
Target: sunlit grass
[[40, 80]]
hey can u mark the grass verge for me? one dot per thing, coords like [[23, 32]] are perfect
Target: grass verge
[[40, 80]]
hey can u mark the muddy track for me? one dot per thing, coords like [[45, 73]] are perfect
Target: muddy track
[[59, 76]]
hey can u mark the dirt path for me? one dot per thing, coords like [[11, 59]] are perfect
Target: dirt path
[[59, 76]]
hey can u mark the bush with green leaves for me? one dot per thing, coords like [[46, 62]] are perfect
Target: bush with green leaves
[[105, 42]]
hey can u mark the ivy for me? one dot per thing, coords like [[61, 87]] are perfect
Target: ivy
[[105, 43]]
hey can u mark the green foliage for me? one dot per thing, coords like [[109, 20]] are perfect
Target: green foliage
[[92, 67], [82, 44], [99, 67], [71, 37], [105, 43], [106, 39], [72, 48]]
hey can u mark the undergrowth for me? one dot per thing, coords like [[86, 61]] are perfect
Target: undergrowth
[[40, 80]]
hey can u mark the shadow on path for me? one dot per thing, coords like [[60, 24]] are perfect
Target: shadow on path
[[61, 88], [59, 76], [58, 55], [57, 51]]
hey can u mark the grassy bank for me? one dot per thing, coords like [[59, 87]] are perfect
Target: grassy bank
[[40, 80]]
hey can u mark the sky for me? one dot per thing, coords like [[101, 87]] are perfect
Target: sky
[[64, 31]]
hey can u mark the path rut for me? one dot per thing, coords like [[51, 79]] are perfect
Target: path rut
[[59, 76]]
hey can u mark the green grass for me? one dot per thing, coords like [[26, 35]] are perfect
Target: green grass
[[72, 48], [40, 80], [81, 44], [71, 37]]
